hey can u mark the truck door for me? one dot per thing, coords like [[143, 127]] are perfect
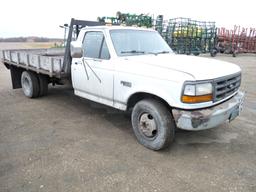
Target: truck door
[[92, 75]]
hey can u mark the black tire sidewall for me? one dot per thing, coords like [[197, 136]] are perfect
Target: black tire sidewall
[[163, 119]]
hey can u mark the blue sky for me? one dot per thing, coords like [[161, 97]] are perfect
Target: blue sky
[[43, 17]]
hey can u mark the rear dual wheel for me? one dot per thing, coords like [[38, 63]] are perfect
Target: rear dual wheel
[[34, 85]]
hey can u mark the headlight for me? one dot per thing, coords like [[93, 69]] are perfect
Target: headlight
[[197, 93]]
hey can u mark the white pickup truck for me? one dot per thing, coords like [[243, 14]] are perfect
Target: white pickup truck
[[134, 69]]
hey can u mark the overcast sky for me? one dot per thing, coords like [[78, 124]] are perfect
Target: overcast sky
[[43, 17]]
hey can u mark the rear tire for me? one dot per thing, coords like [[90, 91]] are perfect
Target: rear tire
[[43, 84], [153, 124], [30, 84]]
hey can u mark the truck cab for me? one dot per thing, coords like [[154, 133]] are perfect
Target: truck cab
[[131, 68]]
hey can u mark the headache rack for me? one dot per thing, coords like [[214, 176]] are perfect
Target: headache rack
[[74, 30]]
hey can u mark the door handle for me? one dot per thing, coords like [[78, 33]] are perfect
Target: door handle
[[98, 60]]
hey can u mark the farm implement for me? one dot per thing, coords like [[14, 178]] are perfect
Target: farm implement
[[238, 40], [188, 36]]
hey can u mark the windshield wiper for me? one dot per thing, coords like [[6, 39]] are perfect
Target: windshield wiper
[[160, 52], [133, 51], [163, 52], [143, 52]]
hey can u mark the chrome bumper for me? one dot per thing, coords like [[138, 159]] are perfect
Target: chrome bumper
[[210, 117]]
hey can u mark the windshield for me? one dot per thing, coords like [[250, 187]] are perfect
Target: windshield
[[133, 42]]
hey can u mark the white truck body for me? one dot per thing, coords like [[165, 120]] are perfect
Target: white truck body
[[164, 90]]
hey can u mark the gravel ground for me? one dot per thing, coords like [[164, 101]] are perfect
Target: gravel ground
[[64, 143]]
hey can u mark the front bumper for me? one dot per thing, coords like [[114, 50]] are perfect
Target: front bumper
[[210, 117]]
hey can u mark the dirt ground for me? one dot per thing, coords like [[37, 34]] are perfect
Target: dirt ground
[[64, 143]]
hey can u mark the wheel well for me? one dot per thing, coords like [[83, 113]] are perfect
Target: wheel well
[[16, 75], [139, 96]]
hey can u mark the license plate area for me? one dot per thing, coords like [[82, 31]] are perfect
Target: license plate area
[[234, 113]]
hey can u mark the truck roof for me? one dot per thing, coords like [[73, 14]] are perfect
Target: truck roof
[[107, 27]]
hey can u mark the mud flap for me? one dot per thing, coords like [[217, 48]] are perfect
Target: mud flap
[[16, 76]]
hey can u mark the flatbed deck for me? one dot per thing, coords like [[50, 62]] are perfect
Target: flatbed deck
[[46, 61]]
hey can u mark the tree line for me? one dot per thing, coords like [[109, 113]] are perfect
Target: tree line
[[29, 39]]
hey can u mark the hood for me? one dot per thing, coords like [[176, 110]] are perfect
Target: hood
[[198, 67]]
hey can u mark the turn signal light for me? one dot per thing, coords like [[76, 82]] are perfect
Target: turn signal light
[[196, 99]]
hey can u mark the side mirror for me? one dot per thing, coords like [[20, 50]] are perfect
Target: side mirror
[[76, 50]]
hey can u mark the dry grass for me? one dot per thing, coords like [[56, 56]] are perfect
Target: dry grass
[[40, 45], [27, 45]]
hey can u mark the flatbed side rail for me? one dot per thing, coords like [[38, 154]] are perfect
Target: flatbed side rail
[[32, 60]]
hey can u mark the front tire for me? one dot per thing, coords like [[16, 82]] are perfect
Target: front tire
[[153, 124], [30, 84]]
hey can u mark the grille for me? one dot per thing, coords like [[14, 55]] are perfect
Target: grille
[[226, 86]]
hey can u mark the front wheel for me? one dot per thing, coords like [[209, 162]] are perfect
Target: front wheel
[[153, 124]]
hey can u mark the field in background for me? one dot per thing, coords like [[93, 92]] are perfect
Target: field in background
[[28, 45]]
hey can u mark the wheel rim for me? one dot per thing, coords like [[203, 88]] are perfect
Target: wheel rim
[[26, 86], [147, 125]]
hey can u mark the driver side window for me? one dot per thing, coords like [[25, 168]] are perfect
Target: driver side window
[[95, 46]]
